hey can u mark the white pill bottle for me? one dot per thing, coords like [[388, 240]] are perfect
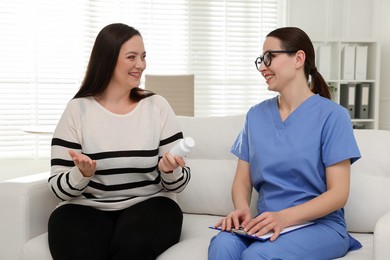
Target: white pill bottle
[[183, 147]]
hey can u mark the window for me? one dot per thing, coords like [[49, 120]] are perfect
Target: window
[[41, 59], [46, 45], [226, 38]]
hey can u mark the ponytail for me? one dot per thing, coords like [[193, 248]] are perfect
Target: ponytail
[[318, 84]]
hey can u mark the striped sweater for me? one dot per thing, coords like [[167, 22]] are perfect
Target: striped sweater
[[126, 148]]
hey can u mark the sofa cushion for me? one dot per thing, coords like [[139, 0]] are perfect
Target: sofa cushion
[[364, 253], [37, 248], [370, 181], [368, 201], [213, 136], [211, 182]]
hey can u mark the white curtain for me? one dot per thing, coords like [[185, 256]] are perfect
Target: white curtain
[[45, 46]]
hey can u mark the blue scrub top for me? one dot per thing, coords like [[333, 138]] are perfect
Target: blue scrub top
[[288, 159]]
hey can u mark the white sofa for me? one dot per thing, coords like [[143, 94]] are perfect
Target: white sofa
[[27, 202]]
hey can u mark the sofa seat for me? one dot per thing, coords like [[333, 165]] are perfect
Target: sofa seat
[[195, 234], [195, 238]]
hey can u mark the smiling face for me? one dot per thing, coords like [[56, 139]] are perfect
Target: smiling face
[[130, 64], [281, 71]]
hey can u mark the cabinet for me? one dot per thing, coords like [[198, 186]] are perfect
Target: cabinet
[[333, 26]]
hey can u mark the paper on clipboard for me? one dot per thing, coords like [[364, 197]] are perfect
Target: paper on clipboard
[[268, 235]]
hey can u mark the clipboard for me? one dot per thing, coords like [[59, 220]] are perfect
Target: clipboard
[[266, 236]]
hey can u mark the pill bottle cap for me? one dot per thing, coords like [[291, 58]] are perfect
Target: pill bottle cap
[[189, 142]]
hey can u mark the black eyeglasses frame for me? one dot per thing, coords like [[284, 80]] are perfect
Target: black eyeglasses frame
[[269, 53]]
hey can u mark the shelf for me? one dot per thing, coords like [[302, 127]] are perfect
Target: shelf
[[341, 24], [362, 120], [356, 81]]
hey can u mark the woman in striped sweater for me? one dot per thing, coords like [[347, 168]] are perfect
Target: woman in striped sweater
[[110, 163]]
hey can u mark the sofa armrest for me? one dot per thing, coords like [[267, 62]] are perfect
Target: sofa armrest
[[382, 238], [26, 204]]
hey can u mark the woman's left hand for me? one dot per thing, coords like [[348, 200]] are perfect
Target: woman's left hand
[[169, 162], [266, 222]]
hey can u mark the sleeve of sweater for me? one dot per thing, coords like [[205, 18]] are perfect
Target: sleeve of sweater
[[66, 181], [170, 135]]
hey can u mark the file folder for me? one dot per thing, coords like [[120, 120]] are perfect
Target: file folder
[[347, 97], [361, 63], [324, 61], [348, 63], [362, 102]]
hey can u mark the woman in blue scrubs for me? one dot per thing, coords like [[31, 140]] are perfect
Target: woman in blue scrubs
[[296, 150]]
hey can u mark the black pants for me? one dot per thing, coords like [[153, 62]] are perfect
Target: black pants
[[142, 231]]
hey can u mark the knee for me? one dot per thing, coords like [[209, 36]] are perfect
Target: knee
[[251, 253], [226, 246], [221, 240]]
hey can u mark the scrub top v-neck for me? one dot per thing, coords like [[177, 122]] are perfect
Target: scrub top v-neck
[[299, 111]]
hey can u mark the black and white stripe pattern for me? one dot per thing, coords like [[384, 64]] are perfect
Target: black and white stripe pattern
[[126, 148]]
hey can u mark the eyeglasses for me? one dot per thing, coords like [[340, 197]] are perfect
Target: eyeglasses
[[267, 57]]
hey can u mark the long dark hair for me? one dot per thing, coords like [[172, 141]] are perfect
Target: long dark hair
[[103, 60], [293, 38]]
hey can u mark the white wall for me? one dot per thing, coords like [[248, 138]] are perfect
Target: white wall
[[384, 38]]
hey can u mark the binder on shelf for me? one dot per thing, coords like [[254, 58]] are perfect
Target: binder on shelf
[[358, 126], [362, 102], [324, 60], [347, 97], [361, 63], [348, 63]]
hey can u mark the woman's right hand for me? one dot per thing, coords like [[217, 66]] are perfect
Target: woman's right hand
[[235, 219], [168, 163], [86, 165]]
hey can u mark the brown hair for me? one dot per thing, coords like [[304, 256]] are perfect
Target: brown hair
[[103, 60], [293, 38]]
